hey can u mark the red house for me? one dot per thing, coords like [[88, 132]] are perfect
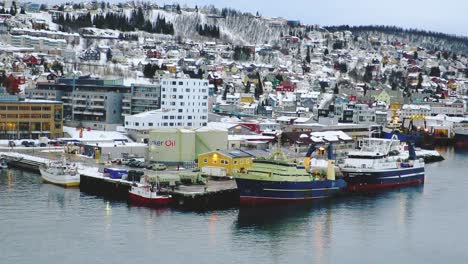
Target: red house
[[31, 60], [153, 54], [13, 82], [285, 87]]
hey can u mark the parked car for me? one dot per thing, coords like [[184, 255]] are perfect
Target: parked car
[[157, 166]]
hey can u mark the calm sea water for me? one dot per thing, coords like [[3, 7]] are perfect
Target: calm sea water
[[42, 223]]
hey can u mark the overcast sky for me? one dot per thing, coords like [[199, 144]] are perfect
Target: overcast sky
[[448, 16]]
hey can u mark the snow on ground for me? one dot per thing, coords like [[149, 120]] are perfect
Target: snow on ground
[[95, 135], [45, 16], [25, 156]]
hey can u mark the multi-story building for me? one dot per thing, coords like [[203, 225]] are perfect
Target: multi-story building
[[98, 103], [87, 101], [30, 119], [363, 114], [145, 98], [40, 43], [184, 103]]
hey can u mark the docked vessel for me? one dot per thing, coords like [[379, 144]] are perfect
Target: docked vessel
[[382, 163], [461, 136], [273, 180], [3, 164], [61, 173], [148, 195]]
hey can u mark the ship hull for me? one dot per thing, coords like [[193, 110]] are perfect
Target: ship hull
[[258, 192], [151, 202], [461, 140], [66, 181], [361, 180]]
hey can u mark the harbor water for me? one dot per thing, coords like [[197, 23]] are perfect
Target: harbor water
[[43, 223]]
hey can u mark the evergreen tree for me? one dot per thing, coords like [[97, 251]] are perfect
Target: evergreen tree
[[247, 87], [435, 71], [336, 90], [420, 80], [343, 67], [225, 93], [415, 55], [307, 58], [368, 74], [109, 54], [215, 87], [148, 71], [326, 52], [454, 57], [259, 87]]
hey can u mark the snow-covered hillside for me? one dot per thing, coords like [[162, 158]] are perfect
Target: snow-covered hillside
[[241, 29]]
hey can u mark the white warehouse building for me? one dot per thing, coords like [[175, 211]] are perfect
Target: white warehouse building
[[184, 104]]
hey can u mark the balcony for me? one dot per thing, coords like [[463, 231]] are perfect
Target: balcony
[[98, 99], [97, 106]]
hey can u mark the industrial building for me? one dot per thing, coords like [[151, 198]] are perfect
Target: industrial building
[[178, 146]]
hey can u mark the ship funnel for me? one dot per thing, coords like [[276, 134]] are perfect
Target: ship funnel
[[331, 170], [411, 150]]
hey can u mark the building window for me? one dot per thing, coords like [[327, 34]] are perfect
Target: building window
[[181, 97], [189, 117], [181, 83], [235, 162], [150, 124], [180, 110], [179, 117], [137, 124], [205, 160], [172, 117], [174, 89], [174, 83], [187, 90]]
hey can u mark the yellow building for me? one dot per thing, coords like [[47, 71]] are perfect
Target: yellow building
[[247, 98], [383, 97], [30, 119], [231, 160]]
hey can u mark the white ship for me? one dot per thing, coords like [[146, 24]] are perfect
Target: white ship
[[61, 173]]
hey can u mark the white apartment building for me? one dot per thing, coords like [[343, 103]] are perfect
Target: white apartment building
[[409, 110], [184, 103]]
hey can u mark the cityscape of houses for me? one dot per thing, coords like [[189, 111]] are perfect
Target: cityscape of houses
[[213, 92]]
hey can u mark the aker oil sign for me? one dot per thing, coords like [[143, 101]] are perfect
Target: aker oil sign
[[164, 143]]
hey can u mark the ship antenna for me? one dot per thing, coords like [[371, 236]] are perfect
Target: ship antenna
[[277, 152]]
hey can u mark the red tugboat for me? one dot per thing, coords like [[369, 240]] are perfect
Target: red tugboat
[[147, 195]]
